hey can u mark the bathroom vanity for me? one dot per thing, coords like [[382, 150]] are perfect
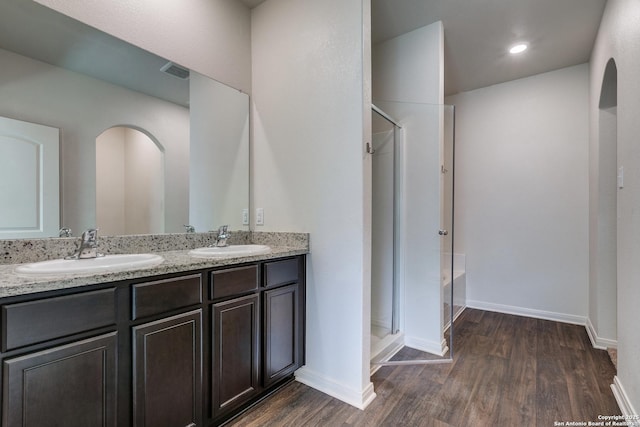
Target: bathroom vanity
[[186, 348]]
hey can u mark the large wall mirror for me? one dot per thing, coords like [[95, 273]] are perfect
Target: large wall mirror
[[95, 88]]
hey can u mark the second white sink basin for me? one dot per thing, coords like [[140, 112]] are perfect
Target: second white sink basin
[[229, 251], [111, 263]]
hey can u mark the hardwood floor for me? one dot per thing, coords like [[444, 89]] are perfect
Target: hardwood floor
[[507, 371]]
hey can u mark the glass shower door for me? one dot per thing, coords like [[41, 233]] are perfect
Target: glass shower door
[[422, 224]]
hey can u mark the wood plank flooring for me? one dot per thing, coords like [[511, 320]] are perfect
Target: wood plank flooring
[[507, 371]]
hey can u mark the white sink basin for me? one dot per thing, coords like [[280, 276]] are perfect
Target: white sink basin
[[111, 263], [229, 251]]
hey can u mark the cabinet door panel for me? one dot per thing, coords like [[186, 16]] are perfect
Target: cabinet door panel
[[167, 372], [70, 385], [281, 332], [235, 352]]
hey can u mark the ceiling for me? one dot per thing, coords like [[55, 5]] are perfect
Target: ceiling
[[251, 3], [478, 33]]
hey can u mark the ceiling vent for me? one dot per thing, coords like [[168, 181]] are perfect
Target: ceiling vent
[[175, 70]]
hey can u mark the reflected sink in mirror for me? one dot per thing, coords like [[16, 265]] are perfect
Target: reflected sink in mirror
[[107, 263], [229, 251]]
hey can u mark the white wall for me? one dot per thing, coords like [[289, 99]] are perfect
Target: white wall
[[83, 108], [522, 194], [409, 68], [310, 121], [619, 38], [211, 37]]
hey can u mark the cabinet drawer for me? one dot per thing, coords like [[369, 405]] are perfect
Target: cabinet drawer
[[281, 272], [233, 281], [41, 320], [165, 295]]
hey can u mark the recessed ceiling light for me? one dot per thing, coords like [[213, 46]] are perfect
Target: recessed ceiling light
[[518, 48]]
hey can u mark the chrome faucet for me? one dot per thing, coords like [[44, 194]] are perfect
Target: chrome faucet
[[189, 228], [88, 246], [223, 235], [65, 232]]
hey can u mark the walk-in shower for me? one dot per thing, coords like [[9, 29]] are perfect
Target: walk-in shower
[[412, 233]]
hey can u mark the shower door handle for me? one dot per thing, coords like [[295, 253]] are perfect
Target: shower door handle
[[443, 232]]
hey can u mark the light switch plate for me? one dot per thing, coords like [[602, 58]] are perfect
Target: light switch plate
[[260, 216]]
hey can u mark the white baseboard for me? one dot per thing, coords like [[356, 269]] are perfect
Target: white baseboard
[[433, 347], [596, 341], [528, 312], [360, 399], [630, 414], [455, 317]]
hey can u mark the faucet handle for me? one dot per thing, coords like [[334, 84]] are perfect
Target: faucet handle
[[65, 232], [189, 228], [90, 236], [223, 235]]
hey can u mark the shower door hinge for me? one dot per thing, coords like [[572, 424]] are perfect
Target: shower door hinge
[[370, 148]]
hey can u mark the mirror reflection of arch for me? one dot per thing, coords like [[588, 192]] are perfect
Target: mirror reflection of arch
[[129, 182]]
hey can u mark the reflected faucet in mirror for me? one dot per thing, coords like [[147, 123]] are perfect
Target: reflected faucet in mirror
[[65, 232], [88, 247], [223, 235]]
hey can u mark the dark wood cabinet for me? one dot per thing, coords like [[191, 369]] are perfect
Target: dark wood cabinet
[[235, 342], [69, 385], [281, 331], [185, 349], [167, 372]]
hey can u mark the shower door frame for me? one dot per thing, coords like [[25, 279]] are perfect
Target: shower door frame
[[449, 233]]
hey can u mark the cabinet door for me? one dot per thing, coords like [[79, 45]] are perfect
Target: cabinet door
[[70, 385], [281, 333], [167, 372], [235, 337]]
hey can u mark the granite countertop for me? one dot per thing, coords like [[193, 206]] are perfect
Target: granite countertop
[[175, 261]]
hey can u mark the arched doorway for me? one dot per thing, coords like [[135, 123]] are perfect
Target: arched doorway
[[129, 182]]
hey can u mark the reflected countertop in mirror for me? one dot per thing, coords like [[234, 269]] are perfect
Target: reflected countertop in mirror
[[64, 74]]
